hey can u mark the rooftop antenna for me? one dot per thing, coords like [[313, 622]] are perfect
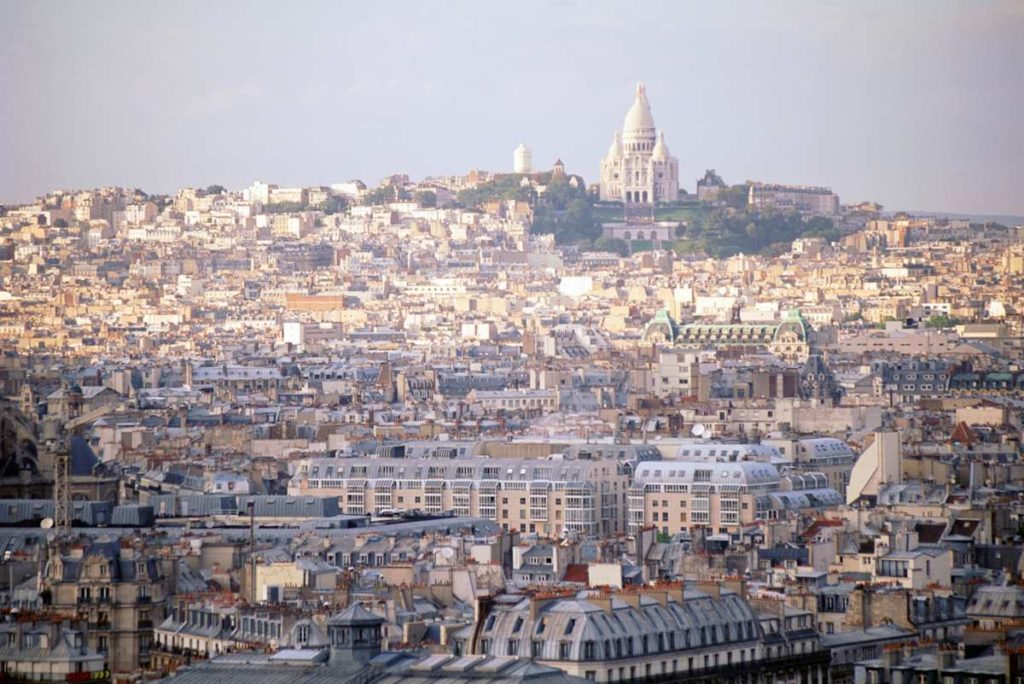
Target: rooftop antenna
[[252, 550], [698, 430]]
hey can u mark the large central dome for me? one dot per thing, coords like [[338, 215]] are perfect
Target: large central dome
[[639, 121]]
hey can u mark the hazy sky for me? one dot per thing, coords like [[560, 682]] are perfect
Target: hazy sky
[[912, 104]]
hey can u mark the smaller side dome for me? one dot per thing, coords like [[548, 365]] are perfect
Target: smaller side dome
[[615, 151], [660, 150]]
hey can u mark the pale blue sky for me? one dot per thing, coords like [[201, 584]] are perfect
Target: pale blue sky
[[913, 104]]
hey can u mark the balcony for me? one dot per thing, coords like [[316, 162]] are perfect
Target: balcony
[[740, 672]]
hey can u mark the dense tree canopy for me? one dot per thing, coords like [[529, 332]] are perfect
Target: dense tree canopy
[[426, 198], [335, 205], [568, 212], [501, 188], [734, 196], [283, 207], [386, 194], [725, 232], [607, 244], [942, 321]]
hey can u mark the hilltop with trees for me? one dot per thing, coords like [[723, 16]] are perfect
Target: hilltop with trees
[[722, 229]]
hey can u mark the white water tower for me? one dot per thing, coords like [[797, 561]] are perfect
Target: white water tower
[[522, 159]]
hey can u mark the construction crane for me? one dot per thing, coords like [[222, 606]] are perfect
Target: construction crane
[[62, 467], [62, 490]]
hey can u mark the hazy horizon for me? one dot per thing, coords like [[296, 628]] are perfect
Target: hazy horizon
[[916, 105]]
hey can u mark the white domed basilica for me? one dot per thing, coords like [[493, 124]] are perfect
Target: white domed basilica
[[638, 168]]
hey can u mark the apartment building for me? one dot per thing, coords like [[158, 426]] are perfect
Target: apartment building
[[670, 633], [119, 590], [827, 455], [544, 497], [48, 651], [676, 372], [528, 401], [677, 496], [812, 200]]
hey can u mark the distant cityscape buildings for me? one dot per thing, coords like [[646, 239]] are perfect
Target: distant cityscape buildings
[[509, 427], [804, 199]]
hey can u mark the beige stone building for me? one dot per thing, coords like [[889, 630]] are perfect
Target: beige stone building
[[119, 590], [677, 496], [548, 497]]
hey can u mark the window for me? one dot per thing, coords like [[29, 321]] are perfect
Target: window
[[563, 650], [571, 625], [513, 647]]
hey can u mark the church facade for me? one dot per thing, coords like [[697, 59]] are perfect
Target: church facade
[[638, 169]]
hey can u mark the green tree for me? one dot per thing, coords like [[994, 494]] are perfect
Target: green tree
[[426, 198], [283, 207], [735, 196], [942, 321], [502, 188], [607, 244], [386, 194], [335, 205]]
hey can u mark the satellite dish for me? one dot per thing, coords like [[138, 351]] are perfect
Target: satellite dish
[[46, 523], [698, 430]]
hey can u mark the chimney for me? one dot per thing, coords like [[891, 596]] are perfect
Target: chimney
[[538, 602], [604, 602], [711, 588], [736, 584], [892, 656], [676, 592]]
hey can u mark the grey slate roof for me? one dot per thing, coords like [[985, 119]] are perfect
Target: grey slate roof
[[307, 667]]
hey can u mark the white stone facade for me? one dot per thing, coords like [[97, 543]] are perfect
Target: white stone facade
[[638, 168]]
